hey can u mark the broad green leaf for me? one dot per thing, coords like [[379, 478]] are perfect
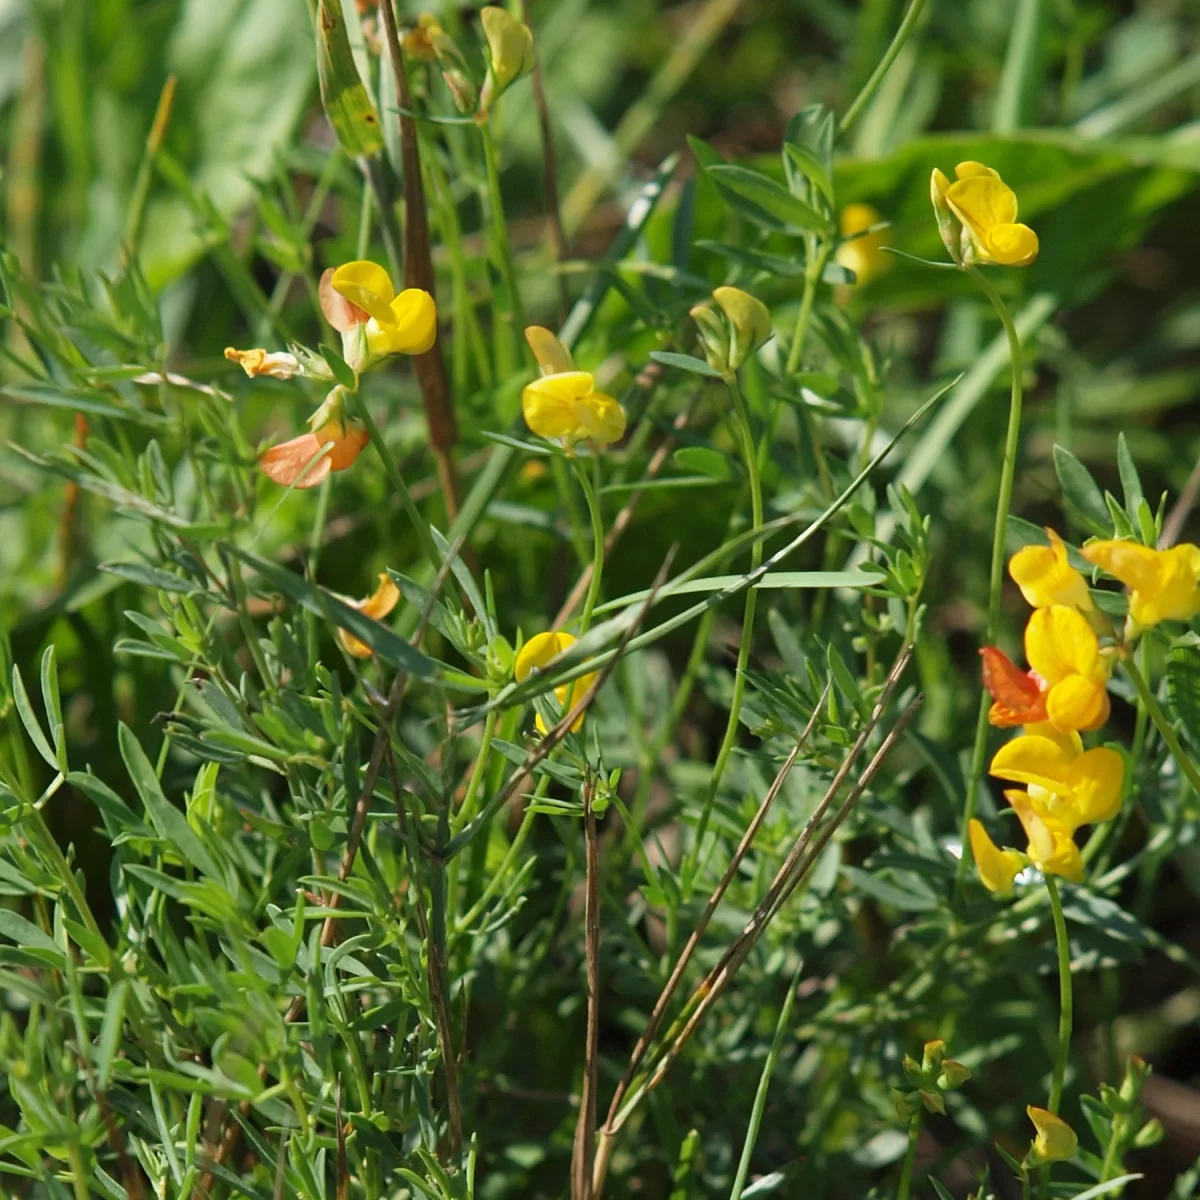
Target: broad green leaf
[[1083, 496]]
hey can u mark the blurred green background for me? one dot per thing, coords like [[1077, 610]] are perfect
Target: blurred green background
[[1094, 119]]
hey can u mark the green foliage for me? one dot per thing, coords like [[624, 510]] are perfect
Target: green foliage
[[296, 901]]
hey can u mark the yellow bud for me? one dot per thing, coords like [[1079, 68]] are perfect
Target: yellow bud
[[510, 51], [1055, 1141], [749, 323]]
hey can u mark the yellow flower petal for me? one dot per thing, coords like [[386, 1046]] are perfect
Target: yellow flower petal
[[1012, 245], [997, 868], [536, 654], [987, 207], [1077, 702], [970, 169], [411, 328], [601, 418], [1055, 1140], [864, 255], [1046, 578], [376, 606], [367, 285], [1164, 584], [567, 406], [1052, 848], [1086, 787], [553, 358], [1097, 781], [1062, 648]]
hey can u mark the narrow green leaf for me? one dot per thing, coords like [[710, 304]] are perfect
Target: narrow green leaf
[[704, 460], [344, 96], [685, 362], [151, 577], [783, 210], [110, 1031], [342, 371], [25, 933], [29, 719], [1131, 482], [169, 821]]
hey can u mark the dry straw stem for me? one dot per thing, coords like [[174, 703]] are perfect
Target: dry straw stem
[[430, 367], [585, 1128], [799, 861]]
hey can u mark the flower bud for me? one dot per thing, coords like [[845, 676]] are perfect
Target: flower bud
[[1056, 1140], [1150, 1134], [715, 335], [932, 1056], [908, 1104], [749, 323], [932, 1099], [953, 1075], [510, 51]]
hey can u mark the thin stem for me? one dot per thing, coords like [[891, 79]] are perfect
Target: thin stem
[[1146, 696], [1066, 1003], [420, 525], [872, 85], [812, 276], [904, 1188], [585, 1130], [996, 581], [500, 233], [750, 455], [593, 592], [467, 810]]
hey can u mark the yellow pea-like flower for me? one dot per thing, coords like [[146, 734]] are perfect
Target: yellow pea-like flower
[[567, 407], [1046, 577], [1164, 585], [1055, 1140], [1063, 649], [1072, 786], [986, 207], [536, 654], [863, 255], [1052, 847], [510, 52], [395, 324], [997, 868], [376, 606]]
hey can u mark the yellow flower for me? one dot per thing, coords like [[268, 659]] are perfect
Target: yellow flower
[[567, 406], [1069, 785], [278, 365], [987, 208], [396, 324], [1051, 846], [510, 53], [553, 358], [376, 606], [1055, 1139], [537, 653], [1046, 578], [1062, 648], [862, 255], [997, 868], [1164, 585]]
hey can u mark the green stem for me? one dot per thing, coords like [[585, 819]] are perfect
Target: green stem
[[420, 525], [1146, 696], [812, 276], [593, 592], [750, 454], [467, 811], [914, 1130], [500, 233], [1066, 1003], [996, 582], [872, 85]]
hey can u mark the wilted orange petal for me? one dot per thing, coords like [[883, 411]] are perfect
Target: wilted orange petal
[[339, 312], [295, 463]]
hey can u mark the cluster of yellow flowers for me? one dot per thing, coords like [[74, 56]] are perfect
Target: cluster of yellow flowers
[[360, 302], [1064, 693]]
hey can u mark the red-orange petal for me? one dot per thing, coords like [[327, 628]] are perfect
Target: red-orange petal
[[1017, 695], [291, 464]]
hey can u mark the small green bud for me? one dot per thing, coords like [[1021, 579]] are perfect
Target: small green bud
[[932, 1056], [715, 335], [499, 659], [749, 323], [1150, 1134], [933, 1101], [953, 1075], [948, 224]]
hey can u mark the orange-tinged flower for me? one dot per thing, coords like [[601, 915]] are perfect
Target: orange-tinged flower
[[304, 461], [376, 606], [1051, 846], [1071, 786], [863, 255], [997, 868], [1062, 648], [1055, 1140], [396, 324], [567, 406], [537, 654], [1046, 578], [1018, 697], [277, 365], [987, 208], [1164, 585]]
